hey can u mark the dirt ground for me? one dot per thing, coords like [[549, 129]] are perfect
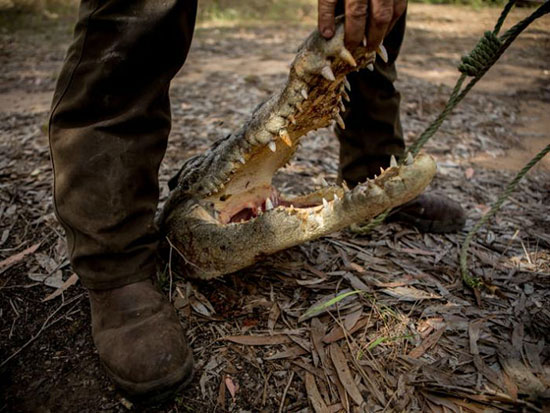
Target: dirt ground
[[415, 339]]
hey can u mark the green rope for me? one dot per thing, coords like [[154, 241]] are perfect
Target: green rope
[[482, 57], [503, 15], [476, 282]]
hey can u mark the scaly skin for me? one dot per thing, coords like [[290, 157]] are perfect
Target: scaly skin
[[232, 180]]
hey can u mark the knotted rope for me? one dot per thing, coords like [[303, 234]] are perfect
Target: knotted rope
[[475, 64]]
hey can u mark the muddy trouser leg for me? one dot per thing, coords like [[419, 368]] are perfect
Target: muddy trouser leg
[[109, 127], [373, 127]]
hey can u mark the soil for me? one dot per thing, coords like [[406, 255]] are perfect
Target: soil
[[429, 348]]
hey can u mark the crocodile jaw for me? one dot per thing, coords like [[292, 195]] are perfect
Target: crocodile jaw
[[231, 182], [210, 248]]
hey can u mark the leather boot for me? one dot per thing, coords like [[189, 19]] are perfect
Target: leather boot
[[431, 212], [140, 340], [109, 128]]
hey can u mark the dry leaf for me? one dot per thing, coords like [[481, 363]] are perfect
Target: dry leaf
[[15, 258], [337, 333], [273, 317], [317, 402], [410, 294], [72, 280], [344, 374], [231, 386], [428, 342], [258, 340], [290, 353]]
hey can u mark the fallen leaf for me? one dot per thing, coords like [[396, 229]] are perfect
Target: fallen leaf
[[325, 303], [416, 251], [15, 258], [317, 332], [317, 402], [337, 333], [410, 294], [523, 377], [231, 386], [428, 342], [291, 353], [258, 340], [273, 317], [474, 331], [72, 280], [344, 374]]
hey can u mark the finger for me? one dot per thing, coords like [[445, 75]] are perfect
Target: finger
[[379, 19], [355, 22], [399, 8], [325, 16]]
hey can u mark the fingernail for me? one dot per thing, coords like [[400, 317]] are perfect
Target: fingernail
[[327, 32]]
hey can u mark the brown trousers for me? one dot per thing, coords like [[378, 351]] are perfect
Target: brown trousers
[[110, 122]]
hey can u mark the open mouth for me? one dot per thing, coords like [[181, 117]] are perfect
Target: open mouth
[[225, 213], [250, 193]]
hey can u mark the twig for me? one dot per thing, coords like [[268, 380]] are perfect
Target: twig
[[170, 273], [285, 391], [44, 326]]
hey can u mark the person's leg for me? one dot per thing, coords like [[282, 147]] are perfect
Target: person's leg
[[373, 127], [373, 133], [109, 126]]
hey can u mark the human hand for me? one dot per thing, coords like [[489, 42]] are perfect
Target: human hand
[[373, 18]]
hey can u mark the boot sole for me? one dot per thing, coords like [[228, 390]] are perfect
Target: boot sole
[[155, 391]]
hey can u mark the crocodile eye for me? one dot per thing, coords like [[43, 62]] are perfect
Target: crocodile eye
[[225, 197]]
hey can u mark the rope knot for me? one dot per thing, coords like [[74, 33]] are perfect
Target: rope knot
[[482, 56]]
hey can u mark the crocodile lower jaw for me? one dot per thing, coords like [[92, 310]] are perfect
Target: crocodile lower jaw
[[210, 248]]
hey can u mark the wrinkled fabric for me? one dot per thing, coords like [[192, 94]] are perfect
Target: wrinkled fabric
[[109, 127], [373, 127]]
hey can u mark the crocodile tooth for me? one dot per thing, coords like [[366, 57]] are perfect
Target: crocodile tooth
[[346, 84], [325, 203], [347, 57], [382, 53], [299, 107], [364, 41], [326, 72], [393, 161], [285, 137], [409, 160], [292, 119], [324, 182], [341, 104], [241, 159], [340, 121], [336, 197], [346, 96], [370, 66], [381, 170], [345, 186], [304, 93], [272, 146], [268, 204]]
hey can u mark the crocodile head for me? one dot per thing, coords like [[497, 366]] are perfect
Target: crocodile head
[[225, 214]]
